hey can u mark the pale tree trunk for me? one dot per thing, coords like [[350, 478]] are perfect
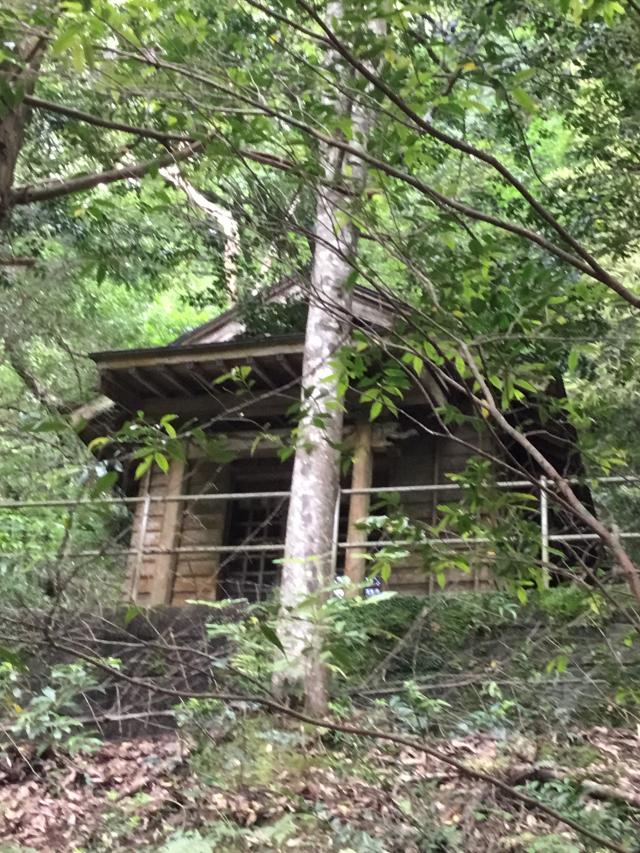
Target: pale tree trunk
[[222, 219], [307, 568]]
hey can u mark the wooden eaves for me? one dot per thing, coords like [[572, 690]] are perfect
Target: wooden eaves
[[182, 380]]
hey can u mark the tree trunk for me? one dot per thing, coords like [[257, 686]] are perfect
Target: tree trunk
[[15, 117], [11, 137], [224, 223], [308, 566]]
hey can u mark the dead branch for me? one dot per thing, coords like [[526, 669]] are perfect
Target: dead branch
[[598, 790]]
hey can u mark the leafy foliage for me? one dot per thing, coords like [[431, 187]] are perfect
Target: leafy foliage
[[500, 207]]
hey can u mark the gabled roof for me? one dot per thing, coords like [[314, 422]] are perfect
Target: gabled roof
[[368, 307], [154, 379], [227, 325]]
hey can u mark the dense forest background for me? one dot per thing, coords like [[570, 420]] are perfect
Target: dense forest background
[[161, 161]]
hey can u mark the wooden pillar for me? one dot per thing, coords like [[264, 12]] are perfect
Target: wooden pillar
[[361, 478], [162, 584], [135, 563]]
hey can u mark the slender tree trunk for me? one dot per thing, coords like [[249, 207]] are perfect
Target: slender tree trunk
[[221, 217], [308, 565], [11, 138]]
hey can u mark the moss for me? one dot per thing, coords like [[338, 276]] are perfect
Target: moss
[[250, 754], [450, 623]]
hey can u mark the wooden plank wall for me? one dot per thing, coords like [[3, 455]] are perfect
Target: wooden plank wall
[[174, 578], [424, 459], [151, 528], [202, 523]]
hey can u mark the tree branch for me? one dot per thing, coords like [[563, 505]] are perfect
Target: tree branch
[[434, 195], [223, 219], [293, 24], [89, 118], [17, 262], [466, 148], [608, 537], [54, 189], [17, 363]]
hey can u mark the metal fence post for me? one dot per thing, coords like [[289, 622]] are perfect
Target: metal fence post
[[336, 533], [544, 527]]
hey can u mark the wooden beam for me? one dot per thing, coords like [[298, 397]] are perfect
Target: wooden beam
[[361, 478], [139, 534], [260, 373], [163, 573], [197, 353], [214, 404], [283, 361], [202, 379], [113, 387], [146, 383], [242, 441], [170, 378], [186, 377]]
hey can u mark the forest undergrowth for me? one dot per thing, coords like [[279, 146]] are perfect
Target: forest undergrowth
[[539, 696]]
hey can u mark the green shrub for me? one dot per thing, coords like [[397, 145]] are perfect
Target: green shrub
[[46, 720]]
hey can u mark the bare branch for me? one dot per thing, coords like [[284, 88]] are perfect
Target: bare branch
[[54, 189], [17, 262], [89, 118]]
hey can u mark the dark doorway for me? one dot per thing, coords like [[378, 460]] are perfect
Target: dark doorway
[[254, 523]]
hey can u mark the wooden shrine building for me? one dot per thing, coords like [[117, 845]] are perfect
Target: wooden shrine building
[[179, 544]]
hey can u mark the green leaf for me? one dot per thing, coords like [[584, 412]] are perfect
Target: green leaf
[[143, 467], [132, 611], [68, 36], [104, 483], [557, 664], [271, 636], [77, 56], [162, 462], [170, 430], [98, 441], [376, 409], [524, 99], [52, 425]]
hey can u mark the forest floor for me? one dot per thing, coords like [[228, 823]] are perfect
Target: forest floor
[[265, 786]]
